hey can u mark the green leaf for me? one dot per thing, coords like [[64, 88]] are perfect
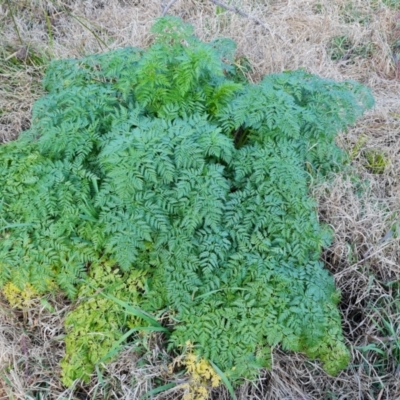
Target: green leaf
[[225, 380], [157, 390]]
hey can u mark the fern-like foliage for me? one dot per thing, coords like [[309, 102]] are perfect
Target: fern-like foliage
[[95, 326], [160, 161]]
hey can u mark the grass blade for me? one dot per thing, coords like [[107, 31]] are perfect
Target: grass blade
[[157, 390], [97, 37], [225, 380], [15, 22], [117, 346], [137, 312]]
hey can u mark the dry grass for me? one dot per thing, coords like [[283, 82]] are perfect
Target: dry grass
[[362, 207]]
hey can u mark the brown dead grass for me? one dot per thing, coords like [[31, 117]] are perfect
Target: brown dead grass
[[364, 258]]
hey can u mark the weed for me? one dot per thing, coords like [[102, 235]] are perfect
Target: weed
[[356, 205], [395, 4], [350, 14], [356, 150], [318, 8], [384, 341], [154, 175], [375, 161], [342, 48]]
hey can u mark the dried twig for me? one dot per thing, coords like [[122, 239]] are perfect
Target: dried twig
[[243, 14], [167, 7], [25, 351]]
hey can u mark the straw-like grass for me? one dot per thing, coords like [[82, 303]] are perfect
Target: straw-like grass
[[339, 39]]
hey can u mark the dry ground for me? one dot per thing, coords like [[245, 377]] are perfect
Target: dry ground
[[340, 39]]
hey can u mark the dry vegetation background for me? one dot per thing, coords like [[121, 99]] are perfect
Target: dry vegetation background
[[339, 39]]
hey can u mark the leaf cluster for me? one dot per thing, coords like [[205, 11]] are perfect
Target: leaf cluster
[[165, 162], [95, 325]]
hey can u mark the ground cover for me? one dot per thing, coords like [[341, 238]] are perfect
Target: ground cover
[[340, 40]]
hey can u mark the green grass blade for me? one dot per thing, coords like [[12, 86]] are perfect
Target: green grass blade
[[49, 29], [225, 380], [137, 312], [117, 346], [97, 37], [157, 390], [14, 22]]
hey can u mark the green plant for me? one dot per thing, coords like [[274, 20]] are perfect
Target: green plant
[[355, 151], [375, 161], [318, 8], [94, 327], [384, 345], [350, 13], [392, 3], [343, 48], [158, 164]]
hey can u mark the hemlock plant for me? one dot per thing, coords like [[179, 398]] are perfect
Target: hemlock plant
[[164, 178]]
